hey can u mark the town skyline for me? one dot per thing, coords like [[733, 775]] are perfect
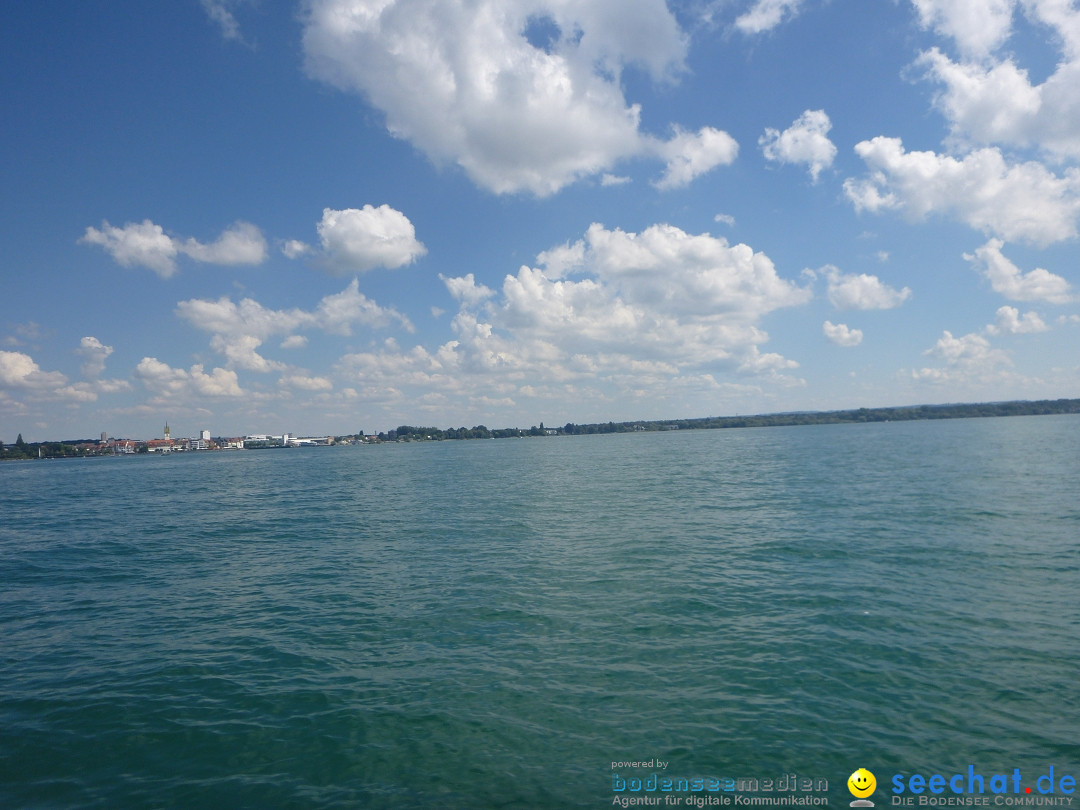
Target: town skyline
[[128, 445]]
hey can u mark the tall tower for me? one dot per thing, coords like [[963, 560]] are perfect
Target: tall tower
[[167, 434]]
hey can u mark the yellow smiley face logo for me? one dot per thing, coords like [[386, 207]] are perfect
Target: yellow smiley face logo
[[861, 783]]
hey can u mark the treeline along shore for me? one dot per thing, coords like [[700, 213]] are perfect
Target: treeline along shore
[[409, 433], [893, 414]]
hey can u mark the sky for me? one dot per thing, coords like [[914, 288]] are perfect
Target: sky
[[337, 216]]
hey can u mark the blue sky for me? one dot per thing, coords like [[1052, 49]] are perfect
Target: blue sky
[[345, 215]]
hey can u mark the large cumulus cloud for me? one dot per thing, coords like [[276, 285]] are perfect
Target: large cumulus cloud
[[524, 95]]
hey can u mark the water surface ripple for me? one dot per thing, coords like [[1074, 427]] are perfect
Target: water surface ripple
[[492, 623]]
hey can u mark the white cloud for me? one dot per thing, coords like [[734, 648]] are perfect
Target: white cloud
[[1006, 278], [997, 103], [989, 98], [562, 259], [1010, 322], [240, 351], [990, 103], [294, 248], [21, 376], [29, 331], [691, 155], [218, 383], [167, 381], [338, 313], [660, 295], [94, 354], [466, 290], [726, 219], [112, 386], [981, 27], [360, 239], [383, 373], [1021, 201], [805, 141], [240, 328], [699, 275], [144, 244], [243, 243], [619, 317], [841, 334], [977, 26], [765, 15], [220, 12], [18, 370], [970, 357], [861, 291], [870, 193], [147, 245], [608, 179], [355, 240], [78, 392], [464, 84], [769, 363], [307, 383], [248, 317]]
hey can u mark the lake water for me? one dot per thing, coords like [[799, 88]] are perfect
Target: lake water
[[495, 623]]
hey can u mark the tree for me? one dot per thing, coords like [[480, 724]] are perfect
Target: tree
[[20, 443]]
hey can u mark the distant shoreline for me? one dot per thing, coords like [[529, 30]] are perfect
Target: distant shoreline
[[89, 447], [850, 416], [905, 413]]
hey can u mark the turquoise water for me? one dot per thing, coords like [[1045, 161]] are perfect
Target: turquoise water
[[494, 623]]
